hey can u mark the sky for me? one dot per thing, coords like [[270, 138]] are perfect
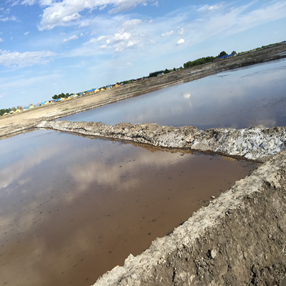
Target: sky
[[52, 46]]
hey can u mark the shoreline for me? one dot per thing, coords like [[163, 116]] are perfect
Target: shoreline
[[18, 123]]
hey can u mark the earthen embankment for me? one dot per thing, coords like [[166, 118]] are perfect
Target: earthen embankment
[[258, 144]]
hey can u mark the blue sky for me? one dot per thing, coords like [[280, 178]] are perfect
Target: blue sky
[[52, 46]]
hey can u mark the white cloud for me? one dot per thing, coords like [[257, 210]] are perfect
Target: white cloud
[[214, 7], [15, 2], [209, 8], [1, 40], [94, 32], [74, 37], [102, 7], [167, 34], [119, 41], [12, 18], [84, 24], [155, 4], [26, 33], [181, 31], [235, 20], [28, 2], [124, 5], [8, 58], [180, 42], [46, 2], [65, 12], [131, 24]]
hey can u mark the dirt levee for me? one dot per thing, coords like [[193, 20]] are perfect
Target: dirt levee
[[257, 144], [239, 239]]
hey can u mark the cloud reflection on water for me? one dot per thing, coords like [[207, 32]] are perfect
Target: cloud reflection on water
[[80, 200]]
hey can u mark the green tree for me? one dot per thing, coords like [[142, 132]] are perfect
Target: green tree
[[233, 52], [197, 62], [152, 74], [223, 53]]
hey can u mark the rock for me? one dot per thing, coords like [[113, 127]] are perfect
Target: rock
[[213, 253]]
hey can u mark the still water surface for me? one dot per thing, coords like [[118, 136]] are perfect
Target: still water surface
[[250, 96], [72, 208]]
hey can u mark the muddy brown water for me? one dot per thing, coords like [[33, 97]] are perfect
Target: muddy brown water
[[72, 208], [240, 98]]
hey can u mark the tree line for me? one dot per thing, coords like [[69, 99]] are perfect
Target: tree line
[[61, 95], [6, 110]]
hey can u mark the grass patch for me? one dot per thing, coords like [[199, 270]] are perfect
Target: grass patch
[[65, 109]]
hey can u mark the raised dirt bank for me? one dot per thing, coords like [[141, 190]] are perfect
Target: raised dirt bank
[[239, 239], [258, 144], [19, 122]]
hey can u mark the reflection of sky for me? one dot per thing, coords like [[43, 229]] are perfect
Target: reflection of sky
[[253, 95], [42, 181], [60, 193]]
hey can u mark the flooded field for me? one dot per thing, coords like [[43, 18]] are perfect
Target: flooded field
[[74, 207], [250, 96]]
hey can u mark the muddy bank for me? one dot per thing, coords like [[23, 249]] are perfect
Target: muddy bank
[[21, 121], [239, 239], [258, 144]]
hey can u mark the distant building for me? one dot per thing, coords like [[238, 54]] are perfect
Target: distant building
[[225, 57]]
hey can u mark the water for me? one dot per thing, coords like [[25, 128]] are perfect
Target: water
[[250, 96], [72, 207]]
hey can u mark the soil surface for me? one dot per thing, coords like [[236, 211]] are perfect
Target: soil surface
[[238, 239], [20, 122]]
